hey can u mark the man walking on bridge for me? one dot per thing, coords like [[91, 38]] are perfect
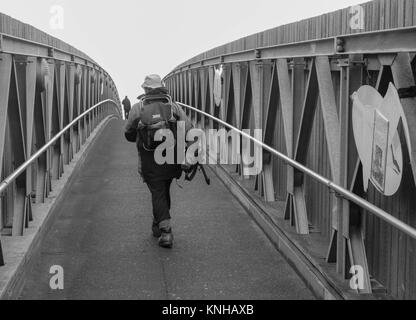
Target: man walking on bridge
[[127, 106], [155, 109]]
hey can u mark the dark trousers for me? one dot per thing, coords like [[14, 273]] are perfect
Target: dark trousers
[[160, 199]]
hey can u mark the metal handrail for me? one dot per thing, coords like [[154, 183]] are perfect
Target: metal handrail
[[393, 221], [6, 182]]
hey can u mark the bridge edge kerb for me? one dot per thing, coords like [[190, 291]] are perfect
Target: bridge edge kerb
[[11, 289]]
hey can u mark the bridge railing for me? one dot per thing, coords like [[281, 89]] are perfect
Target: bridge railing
[[52, 96], [299, 94], [103, 111]]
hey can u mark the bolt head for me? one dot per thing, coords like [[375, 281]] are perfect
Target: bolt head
[[340, 49], [340, 42]]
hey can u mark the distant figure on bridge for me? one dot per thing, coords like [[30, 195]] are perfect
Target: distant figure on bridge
[[127, 106], [155, 110]]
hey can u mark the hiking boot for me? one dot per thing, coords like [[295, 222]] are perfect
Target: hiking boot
[[157, 233], [166, 239]]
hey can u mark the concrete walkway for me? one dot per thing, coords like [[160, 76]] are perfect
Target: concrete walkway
[[101, 237]]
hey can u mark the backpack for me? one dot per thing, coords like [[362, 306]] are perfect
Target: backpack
[[156, 114]]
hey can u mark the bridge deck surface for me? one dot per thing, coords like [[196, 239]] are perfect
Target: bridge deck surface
[[101, 237]]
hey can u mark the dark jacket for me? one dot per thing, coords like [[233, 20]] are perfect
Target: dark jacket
[[148, 168]]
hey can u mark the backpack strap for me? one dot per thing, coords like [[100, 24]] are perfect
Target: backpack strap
[[141, 106]]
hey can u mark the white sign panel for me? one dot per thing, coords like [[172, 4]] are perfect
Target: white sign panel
[[375, 123]]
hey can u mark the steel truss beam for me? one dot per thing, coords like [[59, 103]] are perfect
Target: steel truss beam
[[42, 89], [392, 41], [296, 87]]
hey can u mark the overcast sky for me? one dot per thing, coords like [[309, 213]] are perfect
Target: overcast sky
[[131, 39]]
